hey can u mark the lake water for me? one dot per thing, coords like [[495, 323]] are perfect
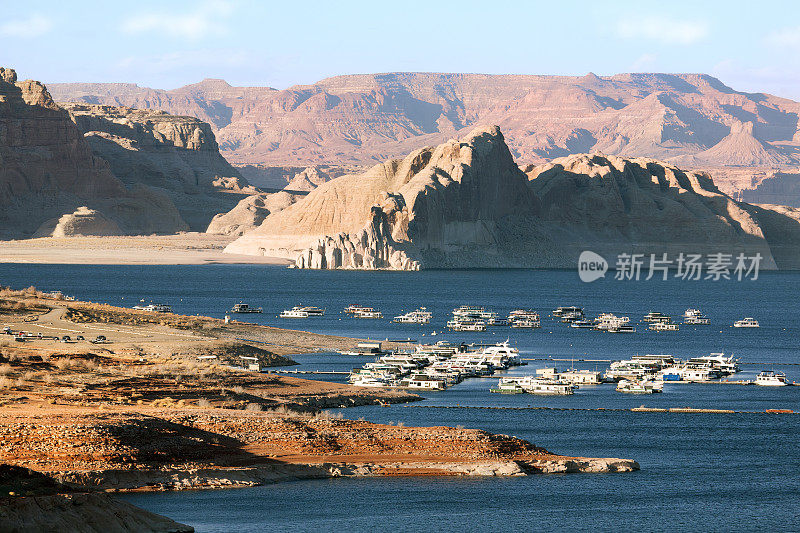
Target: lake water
[[717, 472]]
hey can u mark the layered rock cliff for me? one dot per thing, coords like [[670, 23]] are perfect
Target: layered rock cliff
[[47, 169], [134, 172], [177, 155], [465, 203]]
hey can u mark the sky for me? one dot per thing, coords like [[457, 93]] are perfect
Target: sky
[[750, 46]]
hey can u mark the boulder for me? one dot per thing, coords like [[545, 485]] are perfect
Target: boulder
[[82, 222]]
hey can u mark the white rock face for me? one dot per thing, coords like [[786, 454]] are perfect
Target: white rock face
[[371, 248]]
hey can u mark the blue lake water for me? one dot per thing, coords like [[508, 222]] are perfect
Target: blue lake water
[[717, 472]]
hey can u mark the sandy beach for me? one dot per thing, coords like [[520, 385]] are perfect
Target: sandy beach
[[180, 249]]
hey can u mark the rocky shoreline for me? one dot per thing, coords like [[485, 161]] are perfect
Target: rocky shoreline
[[250, 476]]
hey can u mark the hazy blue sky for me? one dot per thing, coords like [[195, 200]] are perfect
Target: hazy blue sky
[[752, 46]]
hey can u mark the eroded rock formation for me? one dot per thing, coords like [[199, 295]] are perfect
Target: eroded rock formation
[[83, 221], [47, 169], [250, 212], [465, 203], [174, 154]]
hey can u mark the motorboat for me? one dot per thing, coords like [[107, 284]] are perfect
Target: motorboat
[[748, 322], [770, 378], [582, 324], [313, 311], [420, 316], [352, 309], [245, 308]]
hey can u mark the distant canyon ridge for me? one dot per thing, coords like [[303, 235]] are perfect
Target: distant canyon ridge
[[749, 142]]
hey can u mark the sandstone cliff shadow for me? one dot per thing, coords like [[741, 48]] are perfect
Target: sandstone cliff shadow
[[156, 440], [782, 233], [783, 189]]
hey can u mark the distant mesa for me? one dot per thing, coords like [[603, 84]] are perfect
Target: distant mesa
[[362, 119]]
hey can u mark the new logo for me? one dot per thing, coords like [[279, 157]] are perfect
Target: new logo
[[591, 266]]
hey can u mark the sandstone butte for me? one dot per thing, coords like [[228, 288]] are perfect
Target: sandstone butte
[[142, 412], [466, 203]]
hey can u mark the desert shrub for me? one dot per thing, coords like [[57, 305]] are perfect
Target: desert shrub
[[203, 403], [6, 370], [238, 389], [328, 415], [253, 407], [65, 363]]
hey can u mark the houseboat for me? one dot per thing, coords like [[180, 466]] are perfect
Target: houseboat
[[769, 378], [748, 322], [245, 308]]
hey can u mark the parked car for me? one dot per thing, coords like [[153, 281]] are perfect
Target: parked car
[[65, 338], [79, 338]]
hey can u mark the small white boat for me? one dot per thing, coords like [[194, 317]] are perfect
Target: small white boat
[[769, 378], [313, 311], [748, 322]]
